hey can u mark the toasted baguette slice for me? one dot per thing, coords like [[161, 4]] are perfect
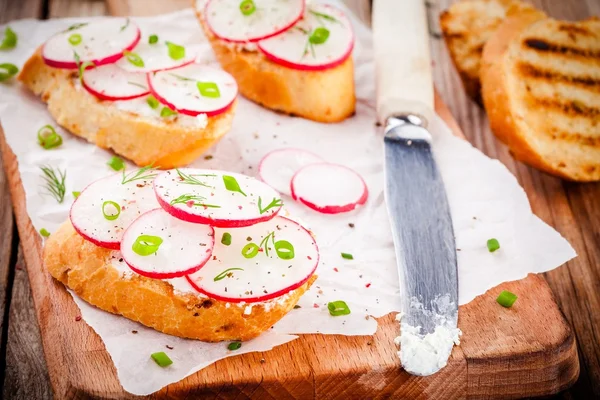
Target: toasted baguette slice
[[145, 140], [88, 270], [466, 26], [323, 96], [541, 89]]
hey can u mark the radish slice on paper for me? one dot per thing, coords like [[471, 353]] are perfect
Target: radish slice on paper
[[329, 188], [93, 212], [101, 42], [259, 262], [194, 89], [278, 167], [322, 39], [109, 82], [218, 198], [155, 57], [249, 21], [160, 246]]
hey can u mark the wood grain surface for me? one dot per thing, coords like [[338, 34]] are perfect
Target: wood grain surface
[[572, 209]]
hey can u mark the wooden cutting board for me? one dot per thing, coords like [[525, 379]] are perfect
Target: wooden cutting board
[[528, 350]]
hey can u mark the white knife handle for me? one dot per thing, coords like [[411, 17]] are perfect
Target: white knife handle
[[402, 59]]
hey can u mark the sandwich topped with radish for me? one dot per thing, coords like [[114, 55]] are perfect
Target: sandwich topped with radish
[[195, 253], [287, 55], [137, 93]]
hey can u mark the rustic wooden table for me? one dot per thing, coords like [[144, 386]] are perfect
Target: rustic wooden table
[[573, 209]]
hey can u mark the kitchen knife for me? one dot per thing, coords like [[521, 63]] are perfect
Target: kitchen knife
[[415, 194]]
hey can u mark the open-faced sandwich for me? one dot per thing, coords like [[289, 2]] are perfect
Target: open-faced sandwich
[[284, 54], [199, 254], [143, 97]]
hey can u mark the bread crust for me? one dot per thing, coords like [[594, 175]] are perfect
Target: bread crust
[[86, 269], [509, 114], [323, 96], [164, 143]]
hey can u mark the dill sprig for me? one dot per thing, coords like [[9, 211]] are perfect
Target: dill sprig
[[54, 182], [147, 172], [191, 179], [197, 201], [264, 244], [274, 203], [322, 15]]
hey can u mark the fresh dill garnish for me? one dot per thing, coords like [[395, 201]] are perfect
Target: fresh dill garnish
[[76, 26], [143, 173], [54, 182], [137, 84], [192, 201], [191, 179], [81, 66], [322, 15], [126, 25], [274, 203], [181, 78], [264, 244]]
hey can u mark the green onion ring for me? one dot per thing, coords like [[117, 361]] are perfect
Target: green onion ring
[[145, 245], [75, 39], [337, 308], [247, 7], [319, 35], [111, 217], [48, 138], [284, 249], [250, 250]]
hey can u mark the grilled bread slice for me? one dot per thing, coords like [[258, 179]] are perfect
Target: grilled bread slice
[[90, 272], [145, 140], [541, 90], [323, 96], [466, 26]]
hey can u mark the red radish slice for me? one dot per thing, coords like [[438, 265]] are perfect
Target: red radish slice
[[88, 211], [101, 42], [160, 246], [294, 49], [156, 58], [194, 89], [329, 188], [278, 167], [259, 275], [228, 22], [109, 82], [217, 198]]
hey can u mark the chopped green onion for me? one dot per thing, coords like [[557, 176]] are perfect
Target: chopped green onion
[[506, 299], [247, 7], [76, 194], [250, 250], [9, 41], [152, 102], [234, 345], [176, 52], [145, 245], [226, 239], [116, 163], [153, 39], [208, 89], [337, 308], [347, 256], [232, 184], [162, 359], [75, 39], [7, 71], [493, 245], [134, 58], [284, 249], [167, 112], [113, 214], [44, 232], [223, 274], [48, 138], [319, 35]]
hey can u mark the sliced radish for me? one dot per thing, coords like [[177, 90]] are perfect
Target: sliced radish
[[160, 246], [322, 39], [93, 213], [234, 21], [278, 167], [194, 89], [218, 198], [155, 57], [101, 42], [109, 82], [258, 262], [329, 188]]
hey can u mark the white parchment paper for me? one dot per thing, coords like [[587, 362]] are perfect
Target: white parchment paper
[[485, 199]]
